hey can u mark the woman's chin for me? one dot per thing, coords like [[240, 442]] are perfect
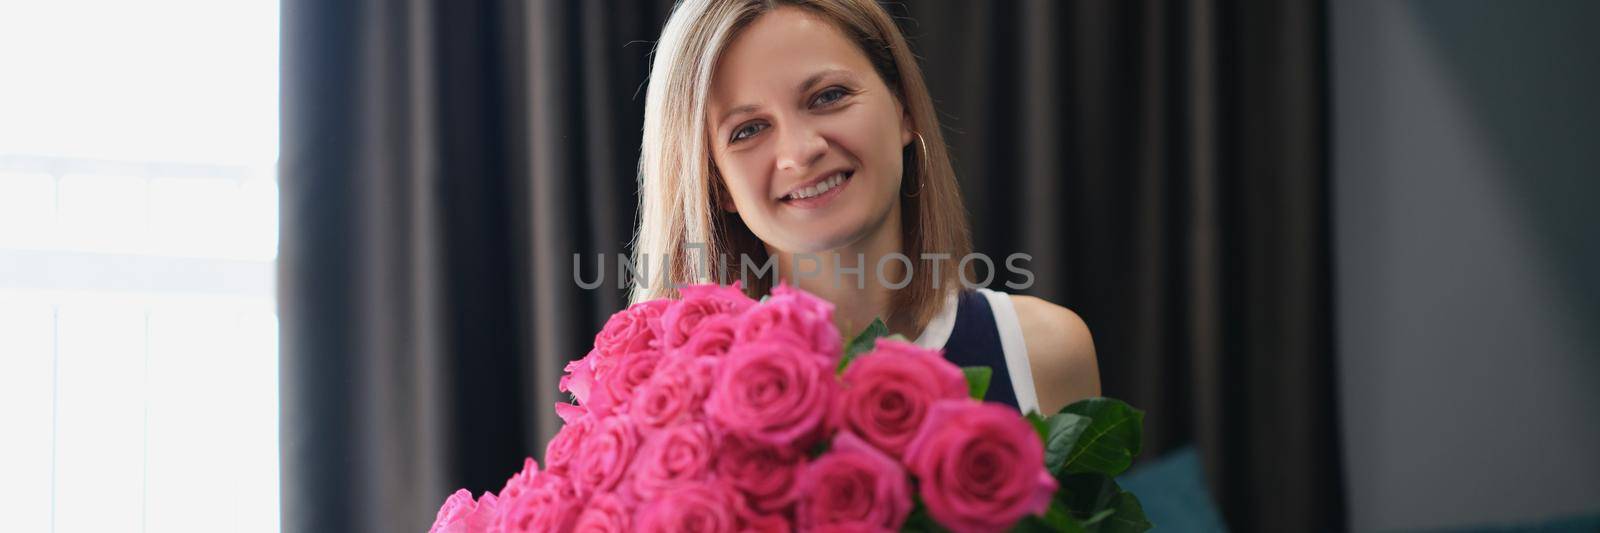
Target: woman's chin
[[816, 243], [826, 235], [815, 234]]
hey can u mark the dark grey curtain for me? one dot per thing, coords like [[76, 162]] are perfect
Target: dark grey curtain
[[1165, 164], [441, 162]]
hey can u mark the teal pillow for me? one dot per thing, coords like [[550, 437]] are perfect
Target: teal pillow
[[1172, 489]]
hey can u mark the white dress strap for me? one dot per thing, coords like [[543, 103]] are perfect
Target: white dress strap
[[1016, 351], [937, 332]]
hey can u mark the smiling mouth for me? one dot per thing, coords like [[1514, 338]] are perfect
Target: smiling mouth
[[820, 188]]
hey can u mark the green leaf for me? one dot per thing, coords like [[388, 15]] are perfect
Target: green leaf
[[1087, 495], [1059, 520], [1111, 441], [1040, 425], [1062, 432], [1056, 518], [1127, 516], [863, 342], [1100, 506], [1028, 524], [1094, 521], [919, 520], [1046, 524], [978, 380]]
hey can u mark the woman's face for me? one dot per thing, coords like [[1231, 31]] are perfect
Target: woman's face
[[805, 134]]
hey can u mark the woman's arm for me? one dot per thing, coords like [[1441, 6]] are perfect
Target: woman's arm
[[1060, 353]]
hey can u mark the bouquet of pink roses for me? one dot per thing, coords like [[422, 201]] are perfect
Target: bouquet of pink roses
[[715, 412]]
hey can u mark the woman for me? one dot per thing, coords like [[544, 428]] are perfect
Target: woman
[[802, 133]]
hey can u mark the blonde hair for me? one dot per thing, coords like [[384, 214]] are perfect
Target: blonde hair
[[679, 187]]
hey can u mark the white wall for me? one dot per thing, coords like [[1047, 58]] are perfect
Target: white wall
[[1467, 195]]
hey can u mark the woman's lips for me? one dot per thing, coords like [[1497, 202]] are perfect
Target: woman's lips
[[823, 199]]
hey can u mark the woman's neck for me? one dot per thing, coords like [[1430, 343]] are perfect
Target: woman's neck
[[848, 277]]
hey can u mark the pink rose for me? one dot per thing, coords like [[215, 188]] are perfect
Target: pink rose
[[854, 527], [618, 377], [571, 413], [854, 483], [520, 481], [676, 392], [772, 393], [550, 504], [604, 457], [785, 291], [672, 457], [886, 393], [566, 444], [765, 474], [630, 330], [702, 507], [731, 292], [460, 514], [605, 513], [699, 302], [980, 466], [770, 523], [579, 379], [714, 337], [794, 315]]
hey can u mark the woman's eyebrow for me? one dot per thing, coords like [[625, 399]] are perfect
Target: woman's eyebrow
[[747, 108], [805, 85], [814, 78]]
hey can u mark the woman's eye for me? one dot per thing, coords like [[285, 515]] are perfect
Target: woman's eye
[[831, 95], [744, 132]]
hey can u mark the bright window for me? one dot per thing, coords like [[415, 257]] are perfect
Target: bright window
[[138, 232]]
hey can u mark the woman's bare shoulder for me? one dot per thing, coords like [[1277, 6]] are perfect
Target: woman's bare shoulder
[[1060, 352]]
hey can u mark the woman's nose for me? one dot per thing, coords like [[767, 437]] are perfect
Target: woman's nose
[[799, 148]]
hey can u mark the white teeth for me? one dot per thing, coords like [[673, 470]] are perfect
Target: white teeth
[[818, 189]]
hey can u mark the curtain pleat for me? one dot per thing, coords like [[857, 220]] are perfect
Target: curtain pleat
[[1165, 165]]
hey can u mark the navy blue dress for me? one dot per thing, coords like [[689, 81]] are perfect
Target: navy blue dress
[[975, 341]]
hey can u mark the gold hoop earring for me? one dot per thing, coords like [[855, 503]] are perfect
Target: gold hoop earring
[[922, 175]]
